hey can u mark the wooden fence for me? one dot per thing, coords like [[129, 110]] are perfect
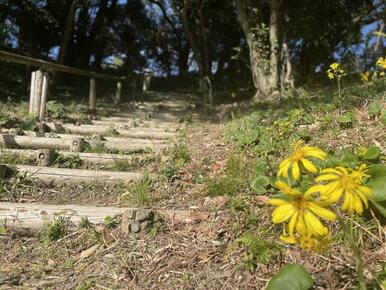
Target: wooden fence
[[39, 81]]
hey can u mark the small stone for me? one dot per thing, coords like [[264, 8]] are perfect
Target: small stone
[[135, 227], [142, 215]]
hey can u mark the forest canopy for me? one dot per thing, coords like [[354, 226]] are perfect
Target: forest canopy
[[267, 44]]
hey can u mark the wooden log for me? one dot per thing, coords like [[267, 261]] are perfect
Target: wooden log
[[147, 133], [43, 100], [92, 94], [32, 93], [120, 142], [60, 176], [127, 123], [118, 93], [45, 157], [97, 158], [37, 92], [147, 82], [16, 58], [28, 142], [77, 144], [31, 218], [10, 141]]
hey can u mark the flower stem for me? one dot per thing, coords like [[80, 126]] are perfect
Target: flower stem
[[356, 251]]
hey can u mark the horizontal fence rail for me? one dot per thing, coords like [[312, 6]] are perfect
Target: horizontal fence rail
[[48, 65]]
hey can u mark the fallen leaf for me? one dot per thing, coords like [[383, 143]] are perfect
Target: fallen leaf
[[87, 253]]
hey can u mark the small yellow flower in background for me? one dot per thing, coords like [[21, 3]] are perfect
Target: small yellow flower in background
[[382, 73], [335, 71], [341, 180], [301, 212], [365, 76], [334, 66], [361, 151], [299, 156], [381, 62]]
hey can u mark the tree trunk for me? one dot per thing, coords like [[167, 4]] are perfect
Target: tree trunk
[[274, 45], [265, 71], [67, 33], [191, 39], [259, 77]]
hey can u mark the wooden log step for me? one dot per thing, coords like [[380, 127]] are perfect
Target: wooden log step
[[126, 123], [97, 158], [145, 133], [60, 176], [30, 218], [94, 138], [158, 116], [30, 142]]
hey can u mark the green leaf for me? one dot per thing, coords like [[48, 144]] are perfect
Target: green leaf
[[379, 207], [372, 153], [291, 277], [260, 183], [378, 182]]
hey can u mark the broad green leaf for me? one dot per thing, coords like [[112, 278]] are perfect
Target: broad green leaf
[[291, 277], [378, 182], [260, 183], [372, 153], [379, 207]]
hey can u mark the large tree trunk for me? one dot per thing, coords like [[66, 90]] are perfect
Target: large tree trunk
[[67, 32], [264, 68]]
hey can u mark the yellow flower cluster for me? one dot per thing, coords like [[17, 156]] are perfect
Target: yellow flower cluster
[[381, 62], [304, 209], [335, 71]]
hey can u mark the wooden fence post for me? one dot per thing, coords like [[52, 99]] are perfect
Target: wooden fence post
[[118, 93], [92, 94], [37, 92], [146, 82], [32, 92], [43, 100]]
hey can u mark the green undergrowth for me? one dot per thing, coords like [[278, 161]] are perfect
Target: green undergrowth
[[235, 178], [139, 192], [176, 158]]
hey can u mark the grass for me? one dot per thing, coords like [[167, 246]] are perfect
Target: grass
[[53, 231], [139, 192], [15, 158], [234, 180], [68, 161]]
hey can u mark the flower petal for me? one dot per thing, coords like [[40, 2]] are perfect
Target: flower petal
[[309, 166], [313, 224], [296, 170], [282, 213], [322, 212]]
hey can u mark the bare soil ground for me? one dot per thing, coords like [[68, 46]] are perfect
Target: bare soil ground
[[202, 254]]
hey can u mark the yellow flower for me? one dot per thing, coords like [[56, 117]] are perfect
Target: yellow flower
[[301, 212], [381, 62], [334, 66], [382, 73], [330, 74], [361, 151], [335, 71], [340, 181], [299, 156], [365, 76]]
